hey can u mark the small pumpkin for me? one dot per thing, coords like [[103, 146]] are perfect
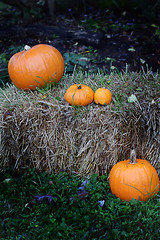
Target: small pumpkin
[[102, 96], [36, 66], [79, 95], [134, 178]]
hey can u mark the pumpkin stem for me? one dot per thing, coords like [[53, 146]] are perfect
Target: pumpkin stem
[[26, 47], [79, 87], [133, 157]]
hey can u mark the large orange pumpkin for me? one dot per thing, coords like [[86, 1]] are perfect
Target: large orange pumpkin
[[36, 66], [102, 96], [79, 95], [134, 178]]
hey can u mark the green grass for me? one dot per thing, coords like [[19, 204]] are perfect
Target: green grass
[[58, 213]]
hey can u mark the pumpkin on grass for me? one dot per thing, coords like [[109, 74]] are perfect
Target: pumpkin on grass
[[36, 66], [102, 96], [134, 178], [79, 95]]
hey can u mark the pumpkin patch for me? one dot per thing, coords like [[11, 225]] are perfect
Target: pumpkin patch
[[36, 66]]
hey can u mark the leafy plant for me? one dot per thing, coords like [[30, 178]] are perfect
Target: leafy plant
[[111, 60], [92, 23], [73, 59], [4, 58], [157, 30], [49, 207]]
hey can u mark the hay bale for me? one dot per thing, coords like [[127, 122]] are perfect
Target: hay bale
[[39, 129]]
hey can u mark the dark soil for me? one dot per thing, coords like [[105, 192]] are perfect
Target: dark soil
[[104, 38]]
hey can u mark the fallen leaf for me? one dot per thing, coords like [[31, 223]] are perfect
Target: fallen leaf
[[44, 96], [132, 99], [101, 203], [142, 61], [83, 194], [42, 198], [131, 49]]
